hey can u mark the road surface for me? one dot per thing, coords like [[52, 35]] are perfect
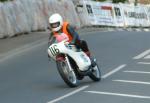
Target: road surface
[[26, 75]]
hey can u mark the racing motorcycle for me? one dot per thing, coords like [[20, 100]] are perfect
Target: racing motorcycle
[[72, 63]]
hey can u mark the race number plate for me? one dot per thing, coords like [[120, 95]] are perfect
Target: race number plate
[[54, 50]]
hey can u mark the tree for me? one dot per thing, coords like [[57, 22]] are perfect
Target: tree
[[114, 1], [99, 0], [3, 0], [118, 1]]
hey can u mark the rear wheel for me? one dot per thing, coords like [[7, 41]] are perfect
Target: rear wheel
[[95, 75], [68, 76]]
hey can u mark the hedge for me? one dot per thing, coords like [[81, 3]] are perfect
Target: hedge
[[118, 1], [100, 0], [3, 0]]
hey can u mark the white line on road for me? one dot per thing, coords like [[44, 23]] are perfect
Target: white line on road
[[69, 94], [145, 63], [119, 94], [134, 82], [22, 49], [147, 57], [142, 54], [84, 87], [113, 71], [140, 72]]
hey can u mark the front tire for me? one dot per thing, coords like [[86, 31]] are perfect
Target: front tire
[[95, 74], [69, 77]]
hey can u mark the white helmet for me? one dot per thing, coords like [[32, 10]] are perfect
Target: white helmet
[[56, 22]]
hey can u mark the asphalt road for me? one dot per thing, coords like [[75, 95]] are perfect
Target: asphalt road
[[26, 75]]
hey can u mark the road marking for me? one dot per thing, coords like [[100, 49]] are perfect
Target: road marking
[[147, 57], [69, 94], [146, 63], [140, 72], [134, 82], [142, 54], [84, 87], [113, 71], [22, 49], [119, 94]]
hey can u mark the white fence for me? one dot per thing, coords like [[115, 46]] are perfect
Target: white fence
[[109, 14], [21, 16]]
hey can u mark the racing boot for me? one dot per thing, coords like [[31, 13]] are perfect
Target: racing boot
[[93, 60], [88, 54]]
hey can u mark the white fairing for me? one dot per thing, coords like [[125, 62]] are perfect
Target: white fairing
[[81, 59]]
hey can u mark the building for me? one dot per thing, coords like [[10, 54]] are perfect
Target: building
[[144, 1]]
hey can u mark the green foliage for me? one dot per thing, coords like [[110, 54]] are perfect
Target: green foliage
[[118, 1], [100, 0], [3, 0], [114, 1]]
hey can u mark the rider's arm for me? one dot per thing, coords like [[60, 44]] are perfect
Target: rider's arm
[[74, 34], [51, 40]]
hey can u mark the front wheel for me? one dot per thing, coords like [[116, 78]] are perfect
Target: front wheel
[[95, 74], [68, 76]]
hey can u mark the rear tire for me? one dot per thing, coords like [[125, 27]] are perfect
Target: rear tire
[[95, 75], [69, 77]]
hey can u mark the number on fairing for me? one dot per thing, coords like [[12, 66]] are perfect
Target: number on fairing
[[54, 50]]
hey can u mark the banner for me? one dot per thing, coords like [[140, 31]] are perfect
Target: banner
[[129, 14], [147, 9], [119, 16], [109, 14], [97, 13]]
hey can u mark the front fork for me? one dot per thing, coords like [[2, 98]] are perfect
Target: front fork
[[65, 58], [68, 62]]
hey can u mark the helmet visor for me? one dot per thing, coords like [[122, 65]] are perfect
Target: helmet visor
[[55, 25]]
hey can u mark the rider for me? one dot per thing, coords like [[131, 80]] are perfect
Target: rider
[[60, 27]]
